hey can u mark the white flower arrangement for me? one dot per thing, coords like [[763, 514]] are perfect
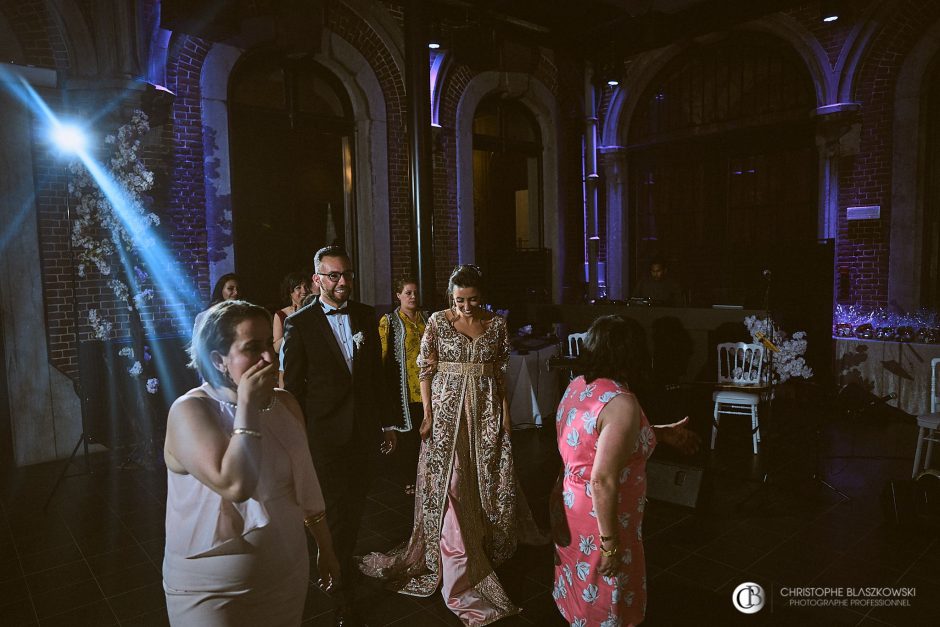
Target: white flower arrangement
[[358, 339], [788, 362], [99, 232]]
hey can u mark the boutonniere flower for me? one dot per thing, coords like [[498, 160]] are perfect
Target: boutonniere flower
[[358, 339]]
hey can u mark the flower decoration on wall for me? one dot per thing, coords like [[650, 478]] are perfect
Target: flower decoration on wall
[[107, 240], [788, 360]]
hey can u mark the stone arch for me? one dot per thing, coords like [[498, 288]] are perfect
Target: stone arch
[[10, 49], [73, 28], [371, 175], [907, 180], [537, 97]]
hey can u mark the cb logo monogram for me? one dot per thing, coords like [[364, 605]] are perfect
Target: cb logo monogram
[[748, 598]]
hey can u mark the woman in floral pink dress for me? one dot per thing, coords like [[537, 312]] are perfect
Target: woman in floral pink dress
[[604, 440]]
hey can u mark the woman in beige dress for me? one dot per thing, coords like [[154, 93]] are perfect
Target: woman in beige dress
[[469, 512], [241, 485]]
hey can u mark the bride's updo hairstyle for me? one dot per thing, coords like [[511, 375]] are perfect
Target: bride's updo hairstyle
[[465, 275]]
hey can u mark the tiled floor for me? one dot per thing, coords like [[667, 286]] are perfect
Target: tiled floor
[[94, 557]]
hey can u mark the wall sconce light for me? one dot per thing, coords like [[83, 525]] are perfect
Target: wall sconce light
[[830, 10]]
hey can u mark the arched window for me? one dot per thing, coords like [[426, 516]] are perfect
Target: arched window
[[723, 166], [292, 168], [507, 183]]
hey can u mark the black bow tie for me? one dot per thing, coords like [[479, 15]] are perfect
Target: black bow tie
[[337, 312]]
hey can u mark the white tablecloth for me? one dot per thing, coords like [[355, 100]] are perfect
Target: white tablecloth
[[901, 368], [532, 389]]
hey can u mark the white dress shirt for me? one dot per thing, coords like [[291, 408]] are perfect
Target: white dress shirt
[[341, 331]]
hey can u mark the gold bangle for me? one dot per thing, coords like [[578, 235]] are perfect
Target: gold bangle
[[611, 552], [243, 431], [312, 521]]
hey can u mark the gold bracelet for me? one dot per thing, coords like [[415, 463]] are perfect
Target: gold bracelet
[[243, 431], [611, 552], [312, 521]]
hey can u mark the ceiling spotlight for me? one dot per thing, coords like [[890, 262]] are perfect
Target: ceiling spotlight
[[433, 45], [68, 138], [613, 82], [829, 10]]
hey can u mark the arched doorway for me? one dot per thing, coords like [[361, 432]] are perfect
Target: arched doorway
[[291, 137], [723, 167], [507, 199]]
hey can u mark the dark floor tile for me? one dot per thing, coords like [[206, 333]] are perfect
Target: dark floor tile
[[708, 573], [14, 590], [66, 598], [422, 618], [49, 558], [663, 554], [383, 607], [139, 601], [155, 618], [105, 564], [10, 569], [129, 578], [541, 610], [154, 550], [58, 577], [731, 552], [18, 614], [97, 614], [106, 542]]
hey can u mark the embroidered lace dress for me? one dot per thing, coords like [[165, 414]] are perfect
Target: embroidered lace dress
[[469, 512]]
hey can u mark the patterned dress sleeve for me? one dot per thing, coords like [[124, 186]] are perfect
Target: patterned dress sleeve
[[383, 337], [427, 358], [502, 354]]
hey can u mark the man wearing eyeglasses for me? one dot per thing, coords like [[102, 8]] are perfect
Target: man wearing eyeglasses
[[332, 364]]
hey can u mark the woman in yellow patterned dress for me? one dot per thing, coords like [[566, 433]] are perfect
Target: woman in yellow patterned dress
[[400, 332], [469, 512]]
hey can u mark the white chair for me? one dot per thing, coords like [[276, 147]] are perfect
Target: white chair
[[928, 424], [575, 342], [739, 364]]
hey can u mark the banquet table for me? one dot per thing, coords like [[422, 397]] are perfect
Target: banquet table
[[533, 389], [900, 368]]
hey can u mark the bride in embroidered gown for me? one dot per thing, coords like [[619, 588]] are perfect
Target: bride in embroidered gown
[[469, 511]]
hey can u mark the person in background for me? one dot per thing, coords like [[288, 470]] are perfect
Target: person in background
[[226, 288], [597, 506], [333, 366], [294, 290], [400, 333], [469, 511], [658, 287], [241, 486]]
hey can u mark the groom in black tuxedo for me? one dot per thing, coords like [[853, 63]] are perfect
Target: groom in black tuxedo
[[332, 365]]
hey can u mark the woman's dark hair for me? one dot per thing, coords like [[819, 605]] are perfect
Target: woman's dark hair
[[465, 275], [289, 282], [615, 348], [403, 281], [219, 286], [216, 332]]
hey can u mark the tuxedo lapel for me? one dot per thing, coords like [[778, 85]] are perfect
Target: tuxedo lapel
[[327, 332]]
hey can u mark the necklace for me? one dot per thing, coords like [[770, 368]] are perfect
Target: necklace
[[234, 406]]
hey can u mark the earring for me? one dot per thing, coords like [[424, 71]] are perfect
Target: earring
[[228, 377]]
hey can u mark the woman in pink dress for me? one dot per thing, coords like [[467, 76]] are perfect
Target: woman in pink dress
[[604, 440], [241, 485]]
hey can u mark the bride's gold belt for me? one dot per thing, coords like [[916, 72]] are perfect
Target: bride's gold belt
[[471, 369]]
